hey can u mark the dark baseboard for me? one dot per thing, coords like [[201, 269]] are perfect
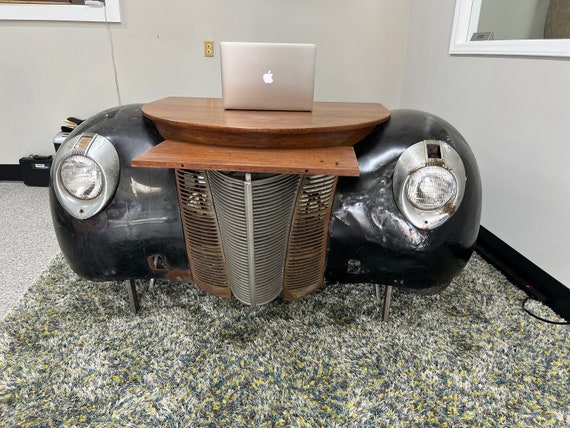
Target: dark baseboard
[[522, 272], [10, 173]]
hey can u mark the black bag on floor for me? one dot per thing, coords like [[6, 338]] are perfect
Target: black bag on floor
[[35, 170]]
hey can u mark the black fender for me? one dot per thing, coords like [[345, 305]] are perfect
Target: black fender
[[139, 233], [371, 241]]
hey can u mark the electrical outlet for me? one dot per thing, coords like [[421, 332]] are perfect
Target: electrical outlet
[[208, 48]]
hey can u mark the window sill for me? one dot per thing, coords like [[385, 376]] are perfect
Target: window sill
[[35, 12]]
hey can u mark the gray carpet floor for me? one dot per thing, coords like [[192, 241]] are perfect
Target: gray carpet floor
[[73, 354], [27, 240]]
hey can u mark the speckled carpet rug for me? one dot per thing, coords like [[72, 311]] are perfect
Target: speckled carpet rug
[[72, 354]]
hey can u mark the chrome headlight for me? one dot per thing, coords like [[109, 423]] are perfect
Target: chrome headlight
[[429, 183], [81, 177], [86, 172], [430, 187]]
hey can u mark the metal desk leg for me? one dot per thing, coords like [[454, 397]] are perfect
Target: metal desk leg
[[387, 302], [133, 296]]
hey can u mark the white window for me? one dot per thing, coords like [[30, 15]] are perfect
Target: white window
[[61, 10]]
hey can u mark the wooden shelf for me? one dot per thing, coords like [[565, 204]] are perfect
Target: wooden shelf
[[339, 160], [204, 120]]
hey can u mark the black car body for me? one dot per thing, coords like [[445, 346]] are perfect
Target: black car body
[[132, 228]]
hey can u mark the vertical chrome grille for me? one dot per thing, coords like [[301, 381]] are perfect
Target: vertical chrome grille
[[254, 215]]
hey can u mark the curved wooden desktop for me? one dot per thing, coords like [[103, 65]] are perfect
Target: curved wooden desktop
[[200, 134]]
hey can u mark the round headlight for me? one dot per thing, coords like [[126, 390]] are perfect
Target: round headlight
[[430, 188], [81, 177], [429, 183]]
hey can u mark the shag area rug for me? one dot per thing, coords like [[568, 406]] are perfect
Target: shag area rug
[[72, 354]]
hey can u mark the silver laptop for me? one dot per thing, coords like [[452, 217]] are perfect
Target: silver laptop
[[268, 76]]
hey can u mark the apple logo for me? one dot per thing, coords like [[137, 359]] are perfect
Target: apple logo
[[268, 77]]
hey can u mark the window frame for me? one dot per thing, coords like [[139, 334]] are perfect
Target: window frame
[[460, 44], [89, 12]]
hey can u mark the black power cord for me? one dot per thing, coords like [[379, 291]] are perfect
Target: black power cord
[[526, 299]]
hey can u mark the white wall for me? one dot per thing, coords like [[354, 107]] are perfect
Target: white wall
[[46, 75], [514, 112], [51, 70]]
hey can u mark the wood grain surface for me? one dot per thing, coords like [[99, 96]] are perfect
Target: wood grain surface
[[205, 121], [340, 160]]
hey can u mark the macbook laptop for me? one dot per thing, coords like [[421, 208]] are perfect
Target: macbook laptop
[[268, 76]]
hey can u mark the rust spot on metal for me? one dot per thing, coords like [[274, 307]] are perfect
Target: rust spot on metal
[[308, 237], [159, 264], [201, 233], [178, 275]]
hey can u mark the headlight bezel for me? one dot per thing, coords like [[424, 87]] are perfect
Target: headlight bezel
[[103, 154], [437, 156]]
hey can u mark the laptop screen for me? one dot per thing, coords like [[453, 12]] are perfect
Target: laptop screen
[[268, 76]]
